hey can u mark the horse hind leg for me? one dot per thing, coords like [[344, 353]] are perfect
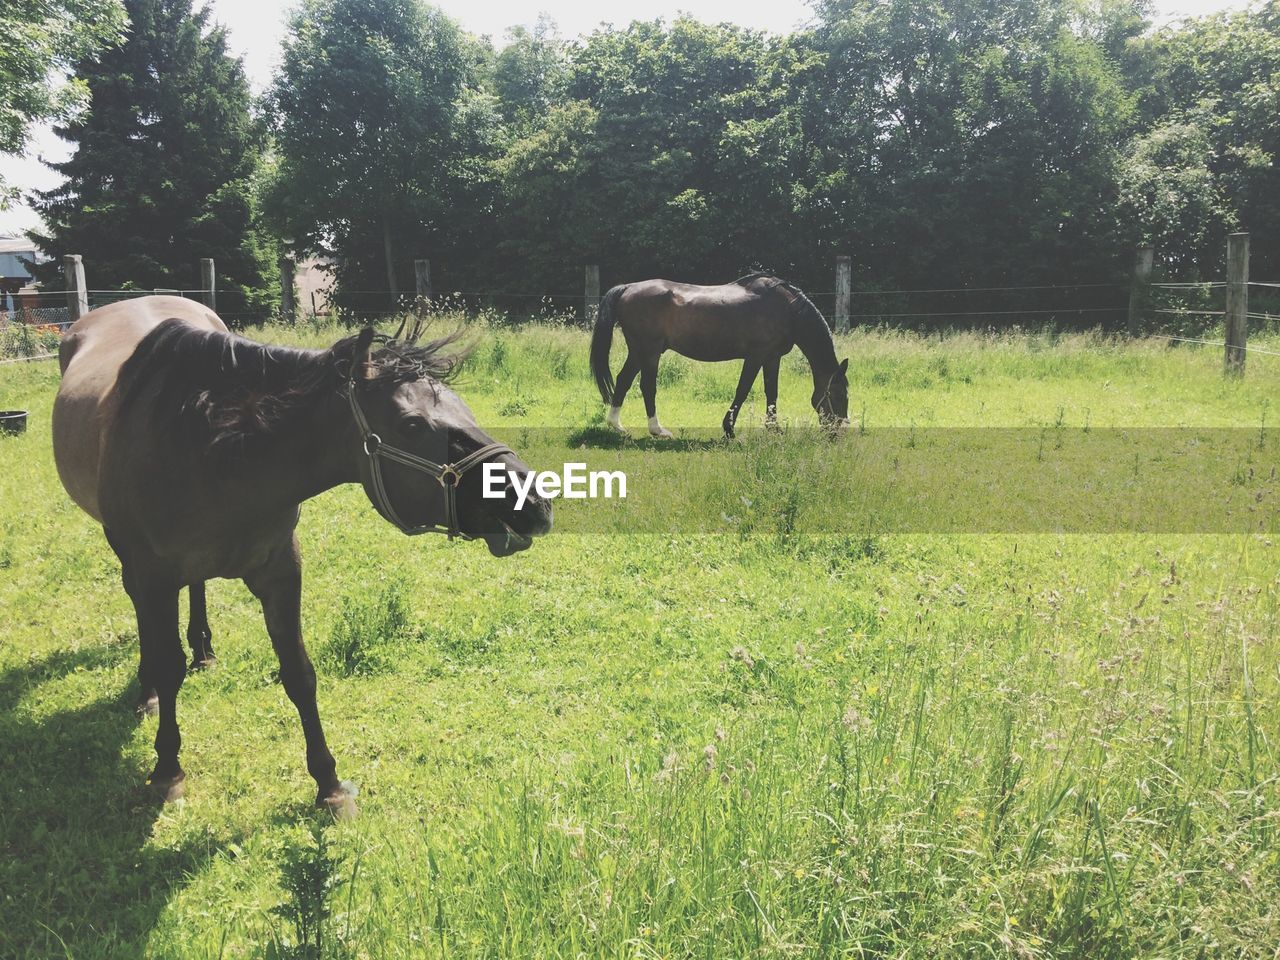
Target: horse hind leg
[[771, 392], [626, 376], [649, 388], [199, 636]]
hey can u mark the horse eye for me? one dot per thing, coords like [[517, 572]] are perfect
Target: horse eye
[[413, 425]]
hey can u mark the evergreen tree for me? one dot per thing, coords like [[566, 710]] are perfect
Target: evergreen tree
[[164, 164]]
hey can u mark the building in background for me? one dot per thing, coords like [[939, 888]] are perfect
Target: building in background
[[314, 284], [16, 282]]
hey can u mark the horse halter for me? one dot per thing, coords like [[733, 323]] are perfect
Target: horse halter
[[448, 475]]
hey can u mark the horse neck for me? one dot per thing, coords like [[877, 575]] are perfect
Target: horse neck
[[814, 340], [313, 453]]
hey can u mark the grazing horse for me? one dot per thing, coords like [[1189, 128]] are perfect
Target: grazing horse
[[756, 319], [195, 448]]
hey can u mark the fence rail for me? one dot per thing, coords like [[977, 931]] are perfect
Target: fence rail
[[921, 308]]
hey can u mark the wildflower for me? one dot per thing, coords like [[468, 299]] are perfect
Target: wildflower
[[798, 874], [670, 764], [854, 720]]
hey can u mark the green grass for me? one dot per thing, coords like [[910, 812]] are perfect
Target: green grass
[[673, 745]]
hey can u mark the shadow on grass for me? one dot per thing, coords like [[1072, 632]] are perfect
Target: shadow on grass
[[604, 438], [78, 875]]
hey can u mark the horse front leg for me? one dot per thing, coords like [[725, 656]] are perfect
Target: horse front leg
[[649, 387], [163, 665], [199, 636], [750, 368], [148, 703], [771, 392], [278, 587]]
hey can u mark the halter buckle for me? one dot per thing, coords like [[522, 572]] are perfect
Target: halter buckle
[[371, 444], [450, 473]]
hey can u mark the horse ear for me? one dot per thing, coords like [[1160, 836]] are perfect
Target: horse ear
[[360, 354], [844, 365]]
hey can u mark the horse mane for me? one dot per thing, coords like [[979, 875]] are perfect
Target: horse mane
[[230, 393]]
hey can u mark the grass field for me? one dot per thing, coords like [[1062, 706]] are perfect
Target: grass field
[[881, 745]]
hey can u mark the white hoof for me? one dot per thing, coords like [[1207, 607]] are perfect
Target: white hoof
[[614, 420], [658, 431]]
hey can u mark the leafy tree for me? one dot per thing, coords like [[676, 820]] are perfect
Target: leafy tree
[[1220, 75], [43, 39], [164, 164], [969, 141], [667, 156], [950, 144], [1168, 188], [531, 72], [382, 140]]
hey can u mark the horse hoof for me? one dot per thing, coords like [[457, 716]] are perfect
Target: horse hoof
[[204, 663], [663, 434], [341, 803], [168, 789], [150, 707]]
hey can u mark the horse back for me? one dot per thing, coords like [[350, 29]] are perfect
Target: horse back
[[723, 322], [92, 352]]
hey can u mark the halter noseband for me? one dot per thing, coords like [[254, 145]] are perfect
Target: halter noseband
[[449, 475]]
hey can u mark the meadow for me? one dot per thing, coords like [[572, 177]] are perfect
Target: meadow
[[761, 743]]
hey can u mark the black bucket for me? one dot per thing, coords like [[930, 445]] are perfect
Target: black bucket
[[13, 421]]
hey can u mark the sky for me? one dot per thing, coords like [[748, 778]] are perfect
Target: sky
[[255, 27]]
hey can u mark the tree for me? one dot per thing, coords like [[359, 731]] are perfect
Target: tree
[[531, 72], [978, 140], [43, 39], [1219, 76], [667, 155], [164, 164], [1167, 187], [381, 136]]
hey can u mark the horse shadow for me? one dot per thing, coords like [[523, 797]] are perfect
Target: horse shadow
[[604, 438], [75, 819]]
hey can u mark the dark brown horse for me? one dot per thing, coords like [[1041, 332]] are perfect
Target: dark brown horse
[[756, 319], [194, 449]]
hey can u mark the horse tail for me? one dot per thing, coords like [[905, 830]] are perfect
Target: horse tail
[[602, 340]]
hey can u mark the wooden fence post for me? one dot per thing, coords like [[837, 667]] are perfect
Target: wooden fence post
[[207, 281], [844, 292], [288, 304], [422, 278], [1139, 288], [591, 293], [77, 291], [1237, 314]]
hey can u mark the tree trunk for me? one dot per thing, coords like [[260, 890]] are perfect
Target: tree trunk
[[391, 263]]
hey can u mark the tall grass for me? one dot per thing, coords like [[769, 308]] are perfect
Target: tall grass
[[666, 745]]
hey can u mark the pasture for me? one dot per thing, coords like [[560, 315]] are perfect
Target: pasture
[[666, 745]]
